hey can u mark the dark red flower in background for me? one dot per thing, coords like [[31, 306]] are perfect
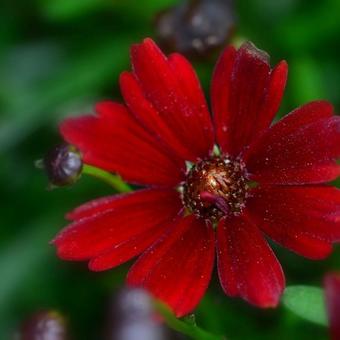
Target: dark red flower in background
[[332, 294], [260, 180]]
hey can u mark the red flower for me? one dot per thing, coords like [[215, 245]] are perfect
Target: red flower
[[260, 180], [332, 291]]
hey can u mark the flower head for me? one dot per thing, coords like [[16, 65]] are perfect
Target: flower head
[[213, 185]]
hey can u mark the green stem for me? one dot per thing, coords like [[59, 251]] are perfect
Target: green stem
[[183, 327], [113, 180]]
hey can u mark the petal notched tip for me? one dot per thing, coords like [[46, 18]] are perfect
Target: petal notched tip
[[146, 46], [166, 97], [249, 48], [178, 268], [299, 149], [247, 266], [245, 94], [111, 231]]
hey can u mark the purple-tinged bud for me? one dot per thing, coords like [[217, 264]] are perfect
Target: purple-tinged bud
[[44, 325], [63, 165], [132, 317], [196, 28]]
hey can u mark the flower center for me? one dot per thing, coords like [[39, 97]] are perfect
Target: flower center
[[215, 187]]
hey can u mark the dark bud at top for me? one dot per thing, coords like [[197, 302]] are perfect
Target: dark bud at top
[[63, 165], [132, 317], [45, 325], [196, 28]]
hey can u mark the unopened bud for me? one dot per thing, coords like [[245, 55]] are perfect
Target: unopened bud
[[196, 28], [63, 165], [45, 325], [132, 317]]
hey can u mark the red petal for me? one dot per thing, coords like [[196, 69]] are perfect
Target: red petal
[[114, 141], [149, 117], [124, 251], [332, 291], [173, 107], [245, 94], [117, 221], [247, 266], [303, 219], [102, 204], [220, 89], [177, 270], [302, 148]]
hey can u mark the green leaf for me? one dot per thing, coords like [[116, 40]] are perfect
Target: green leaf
[[306, 302], [186, 326], [65, 9]]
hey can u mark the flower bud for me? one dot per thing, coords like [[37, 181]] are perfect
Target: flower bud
[[196, 28], [132, 317], [44, 325], [63, 165]]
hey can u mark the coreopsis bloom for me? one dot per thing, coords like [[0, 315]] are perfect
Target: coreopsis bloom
[[332, 293], [211, 184]]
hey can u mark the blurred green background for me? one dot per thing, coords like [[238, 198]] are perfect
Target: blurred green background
[[58, 57]]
